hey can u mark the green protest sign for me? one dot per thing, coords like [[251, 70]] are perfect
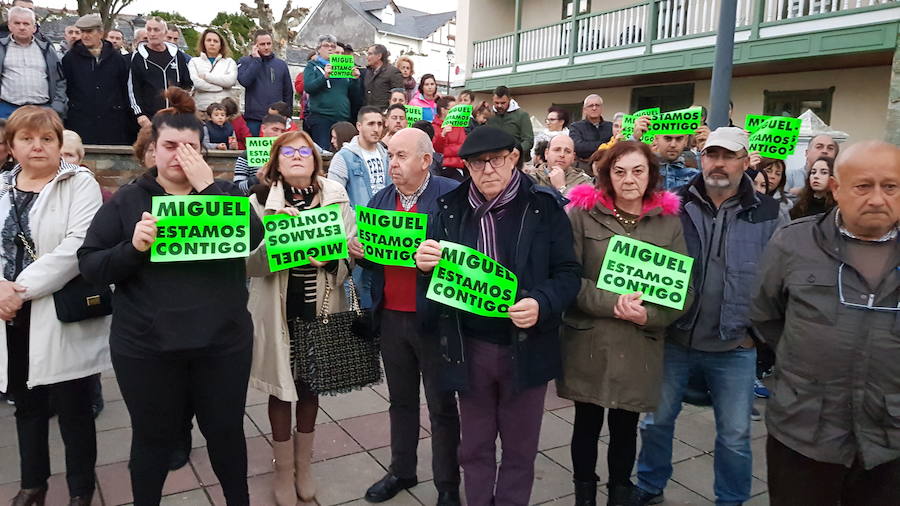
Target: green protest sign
[[471, 281], [341, 66], [200, 227], [458, 115], [776, 137], [292, 240], [754, 122], [629, 119], [390, 237], [680, 122], [258, 150], [630, 266], [413, 114]]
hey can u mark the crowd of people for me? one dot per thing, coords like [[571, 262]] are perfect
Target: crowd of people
[[794, 271]]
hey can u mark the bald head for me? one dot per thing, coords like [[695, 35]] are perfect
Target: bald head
[[819, 146], [410, 153], [560, 152], [866, 152], [867, 188]]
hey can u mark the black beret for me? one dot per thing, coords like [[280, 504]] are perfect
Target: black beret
[[485, 139]]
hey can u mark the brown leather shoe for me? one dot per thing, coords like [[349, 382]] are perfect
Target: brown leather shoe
[[30, 497]]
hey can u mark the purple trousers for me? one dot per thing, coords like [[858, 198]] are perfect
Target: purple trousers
[[492, 406]]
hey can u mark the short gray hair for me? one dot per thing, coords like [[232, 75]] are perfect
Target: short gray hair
[[157, 19], [17, 11], [617, 116], [592, 95], [325, 38]]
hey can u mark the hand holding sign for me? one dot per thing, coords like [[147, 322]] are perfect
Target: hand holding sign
[[630, 307], [356, 249], [524, 314], [194, 166], [428, 254], [641, 125], [144, 232]]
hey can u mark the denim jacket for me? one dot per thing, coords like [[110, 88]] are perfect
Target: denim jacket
[[349, 168]]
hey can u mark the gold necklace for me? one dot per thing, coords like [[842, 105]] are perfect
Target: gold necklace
[[623, 220]]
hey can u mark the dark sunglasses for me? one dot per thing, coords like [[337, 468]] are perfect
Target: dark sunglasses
[[305, 151]]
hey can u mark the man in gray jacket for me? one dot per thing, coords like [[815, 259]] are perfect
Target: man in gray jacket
[[828, 302], [726, 227]]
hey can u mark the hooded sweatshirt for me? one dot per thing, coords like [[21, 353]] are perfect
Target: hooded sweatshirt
[[197, 307], [148, 80], [517, 123]]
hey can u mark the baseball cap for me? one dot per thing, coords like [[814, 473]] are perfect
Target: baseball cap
[[730, 138]]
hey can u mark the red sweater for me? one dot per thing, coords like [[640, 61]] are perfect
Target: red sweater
[[241, 131], [449, 145]]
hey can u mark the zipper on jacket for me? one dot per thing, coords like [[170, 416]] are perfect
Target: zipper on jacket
[[702, 284]]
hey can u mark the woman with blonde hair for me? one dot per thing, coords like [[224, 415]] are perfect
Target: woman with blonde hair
[[281, 301], [406, 67]]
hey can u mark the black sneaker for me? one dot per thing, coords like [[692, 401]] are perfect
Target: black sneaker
[[641, 497]]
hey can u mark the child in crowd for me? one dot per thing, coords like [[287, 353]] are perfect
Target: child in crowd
[[283, 109], [480, 116], [217, 131], [241, 130]]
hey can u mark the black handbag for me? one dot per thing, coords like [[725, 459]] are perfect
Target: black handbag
[[79, 299], [337, 352]]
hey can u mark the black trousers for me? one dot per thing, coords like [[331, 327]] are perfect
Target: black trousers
[[622, 442], [71, 400], [408, 356], [797, 480], [158, 393]]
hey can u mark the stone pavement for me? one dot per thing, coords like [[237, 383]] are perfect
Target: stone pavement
[[351, 452]]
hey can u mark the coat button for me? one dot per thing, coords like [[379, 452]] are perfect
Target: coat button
[[451, 216], [522, 336], [811, 278], [536, 211]]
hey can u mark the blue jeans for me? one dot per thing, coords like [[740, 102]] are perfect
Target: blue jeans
[[6, 109], [730, 377]]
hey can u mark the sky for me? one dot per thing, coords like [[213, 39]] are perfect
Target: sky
[[201, 11]]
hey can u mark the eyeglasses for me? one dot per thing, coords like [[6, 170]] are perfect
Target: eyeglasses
[[303, 151], [727, 157], [479, 165], [868, 304]]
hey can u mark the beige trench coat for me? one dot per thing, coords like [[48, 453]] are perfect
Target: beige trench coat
[[270, 371]]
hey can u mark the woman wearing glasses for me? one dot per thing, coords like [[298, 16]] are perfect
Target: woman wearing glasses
[[613, 344], [294, 182], [557, 122]]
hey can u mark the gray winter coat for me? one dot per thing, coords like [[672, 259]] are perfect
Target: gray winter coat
[[837, 390]]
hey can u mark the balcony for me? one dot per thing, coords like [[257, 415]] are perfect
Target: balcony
[[679, 28]]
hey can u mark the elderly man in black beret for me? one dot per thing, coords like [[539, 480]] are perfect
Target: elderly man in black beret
[[499, 366]]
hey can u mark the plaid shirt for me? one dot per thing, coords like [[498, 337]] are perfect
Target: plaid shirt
[[24, 79]]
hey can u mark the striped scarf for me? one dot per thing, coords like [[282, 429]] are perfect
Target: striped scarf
[[487, 212]]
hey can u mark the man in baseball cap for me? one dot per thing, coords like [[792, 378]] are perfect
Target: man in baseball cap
[[726, 226]]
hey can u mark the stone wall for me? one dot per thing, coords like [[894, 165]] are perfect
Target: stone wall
[[115, 166]]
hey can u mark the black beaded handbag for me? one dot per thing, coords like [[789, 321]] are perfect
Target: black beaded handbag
[[338, 352]]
